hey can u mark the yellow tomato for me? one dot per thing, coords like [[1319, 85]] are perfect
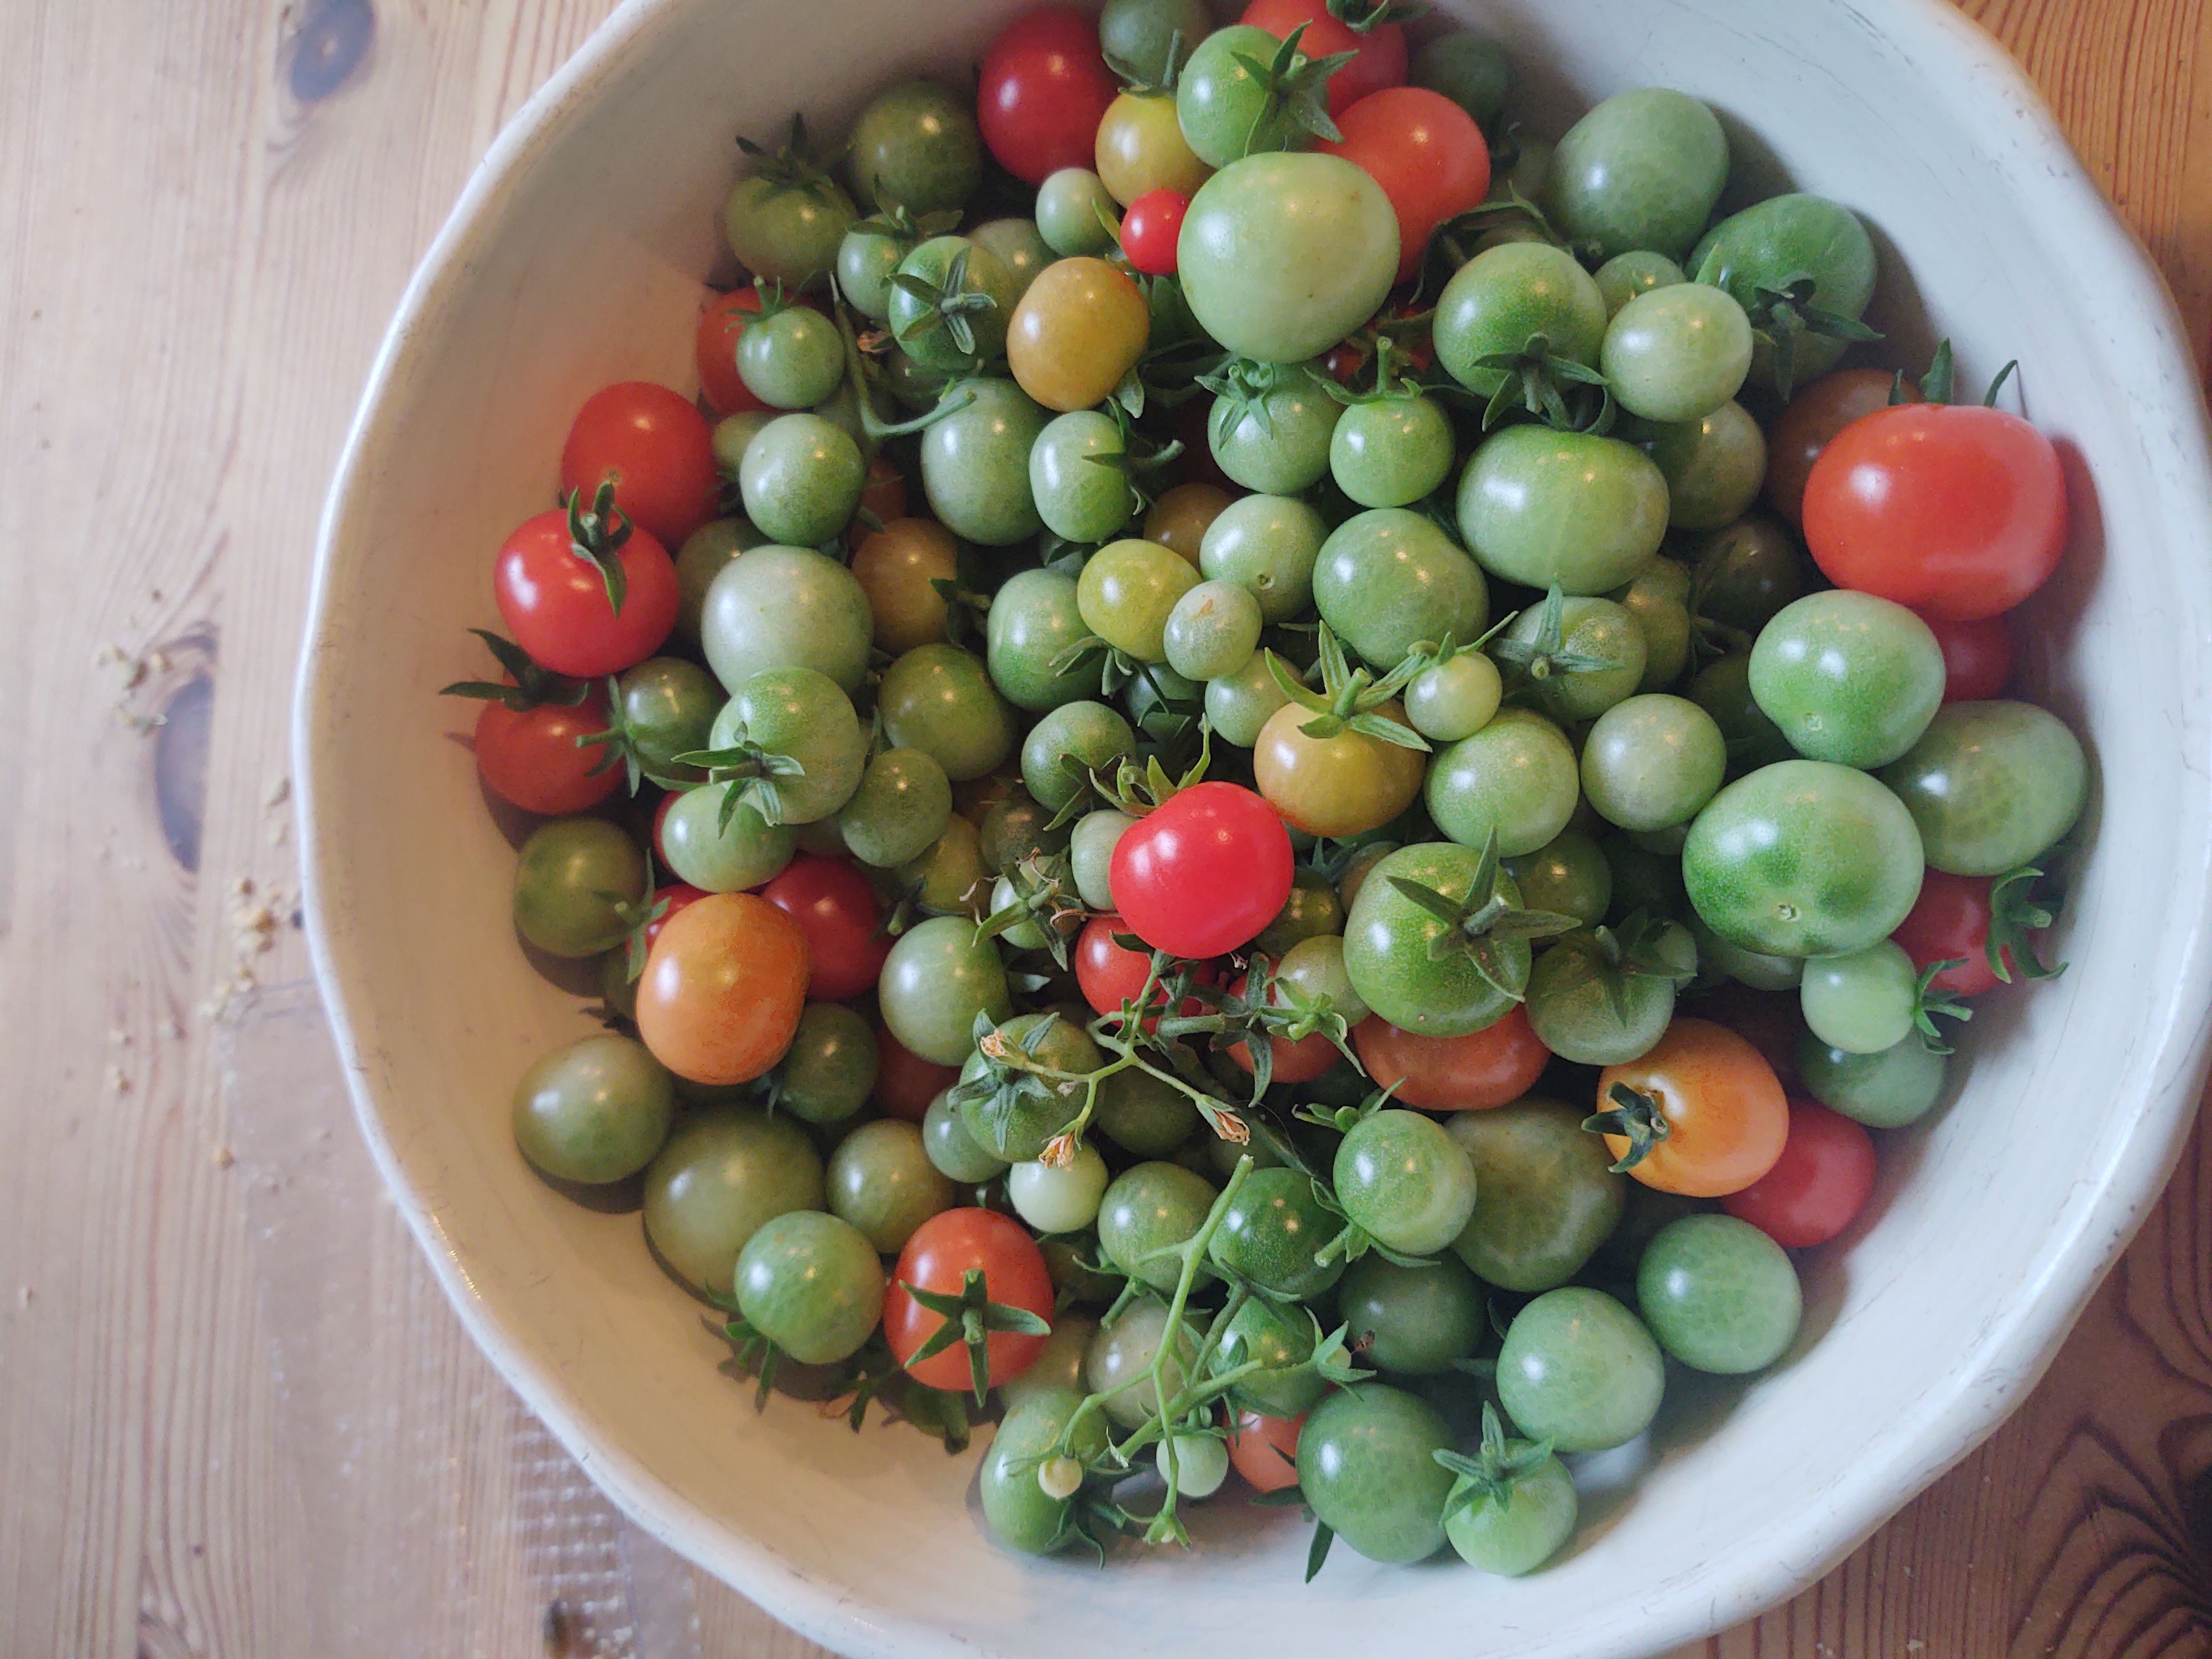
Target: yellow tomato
[[1079, 329], [895, 568], [1124, 594], [1179, 518], [1346, 785], [1140, 148]]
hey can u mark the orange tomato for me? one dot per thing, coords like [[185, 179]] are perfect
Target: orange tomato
[[1493, 1066], [1179, 519], [895, 568], [1338, 786], [723, 989], [1078, 330], [1725, 1113], [1265, 1451]]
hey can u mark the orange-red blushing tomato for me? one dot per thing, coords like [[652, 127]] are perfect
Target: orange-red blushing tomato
[[1817, 1187], [554, 601], [884, 492], [723, 989], [655, 447], [1426, 151], [1379, 55], [1976, 658], [1726, 1114], [1301, 1061], [1265, 1451], [715, 347], [1494, 1066], [1078, 330], [529, 756], [938, 1257], [1815, 415], [905, 1082]]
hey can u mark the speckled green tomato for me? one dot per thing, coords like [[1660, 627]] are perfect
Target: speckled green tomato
[[1652, 762], [1143, 1115], [921, 331], [976, 461], [595, 1111], [1584, 1009], [785, 607], [915, 146], [948, 879], [1642, 170], [1404, 1180], [1538, 506], [1415, 1322], [1125, 591], [1270, 1232], [1753, 968], [1803, 859], [1519, 1531], [1266, 545], [1367, 1466], [1547, 1200], [1387, 579], [882, 1182], [1713, 466], [1517, 776], [1212, 630], [1079, 494], [1454, 698], [792, 358], [1117, 1363], [866, 260], [725, 1173], [1580, 1370], [1848, 677], [1023, 1516], [812, 1285], [801, 714], [1075, 215], [787, 233], [1034, 619], [1639, 270], [1723, 689], [1223, 109], [1281, 1340], [938, 977], [830, 1070], [1015, 828], [1677, 352], [1502, 298], [1281, 256], [1277, 443], [1745, 572], [723, 857], [668, 707], [699, 560], [1861, 1003], [1719, 1294], [956, 1153], [1241, 703], [1022, 1133], [940, 699], [1992, 785], [902, 807], [1067, 745], [1391, 452], [1659, 599], [572, 882], [1772, 242], [801, 478], [1090, 853], [1388, 938], [1609, 648], [1568, 873], [1886, 1090], [1149, 1210]]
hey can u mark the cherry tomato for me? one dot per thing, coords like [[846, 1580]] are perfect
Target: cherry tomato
[[835, 907], [715, 349], [1150, 229], [1426, 151], [679, 896], [1265, 1451], [1725, 1112], [530, 755], [1814, 416], [1956, 510], [1819, 1184], [1043, 89], [882, 495], [1976, 658], [1950, 922], [905, 1082], [1301, 1061], [723, 989], [1493, 1066], [1109, 974], [938, 1257], [1380, 51], [659, 818], [1203, 873], [657, 450], [554, 600]]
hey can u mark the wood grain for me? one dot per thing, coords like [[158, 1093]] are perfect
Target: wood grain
[[209, 212]]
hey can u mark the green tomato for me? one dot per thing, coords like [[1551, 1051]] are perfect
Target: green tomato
[[915, 146], [1079, 479], [1076, 215], [1090, 853], [801, 480], [1281, 1341], [1659, 599], [1568, 874], [940, 700], [1848, 677], [1059, 1363], [1405, 1181], [1136, 35], [1753, 968], [1034, 618], [950, 878], [1277, 443], [1389, 940], [938, 977], [1367, 1467], [699, 561], [1538, 506], [1016, 828], [1118, 1361], [1125, 591], [1212, 630], [866, 260], [1505, 297], [1020, 247], [1861, 1003], [1580, 1370], [1241, 703], [1886, 1090], [830, 1070], [731, 435], [812, 1285], [922, 328], [1548, 1196], [1714, 466], [1803, 859], [1744, 573], [1022, 1516], [785, 232], [1470, 70], [956, 1154], [786, 607], [1058, 1199], [1281, 256], [902, 807], [1312, 911], [595, 1112], [667, 707], [1454, 698], [723, 1174], [1719, 1294], [1516, 776], [1417, 1322], [974, 462], [1268, 546], [1146, 1214], [1774, 243], [881, 1181], [791, 359], [1224, 109], [1145, 1116], [1588, 1008], [574, 882], [1723, 689], [1639, 270], [1387, 580], [1992, 785], [1019, 1128], [1652, 762], [1517, 1530], [1067, 745], [724, 858], [1392, 452], [1271, 1231], [1677, 352], [1604, 652], [800, 714], [1642, 170]]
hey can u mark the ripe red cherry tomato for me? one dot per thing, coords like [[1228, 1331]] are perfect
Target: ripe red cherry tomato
[[1976, 658], [1950, 922], [1381, 59], [1493, 1066], [1203, 873], [715, 349], [1819, 1184], [554, 600], [1301, 1061], [938, 1257], [1150, 229], [1043, 89], [675, 895], [835, 907], [1109, 975], [1426, 151], [656, 449], [1956, 510], [905, 1082], [1265, 1451], [529, 755]]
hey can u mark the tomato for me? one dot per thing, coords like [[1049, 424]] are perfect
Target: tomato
[[938, 1257], [1204, 872], [1814, 416], [595, 1112], [714, 347], [1725, 1113], [1265, 1451], [1976, 658], [1150, 229], [905, 1082], [1141, 149], [1426, 151], [1493, 1066], [1109, 974], [530, 757], [1950, 922], [1301, 1061], [835, 907], [1956, 510], [1641, 171], [656, 449], [884, 492], [723, 989], [1344, 785], [1043, 88], [1075, 334], [1379, 53], [677, 896], [554, 600], [1819, 1184]]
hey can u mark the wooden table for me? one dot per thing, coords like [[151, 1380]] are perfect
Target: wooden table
[[210, 210]]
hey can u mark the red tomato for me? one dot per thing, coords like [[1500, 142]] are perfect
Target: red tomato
[[1976, 658], [715, 349], [722, 990], [1381, 50], [1043, 88], [677, 895], [1956, 510], [1819, 1184], [1493, 1066], [835, 907], [1200, 875], [1950, 922], [554, 599], [905, 1082], [530, 755], [938, 1257], [1772, 1022], [1109, 975], [1301, 1061], [1150, 229], [1426, 151], [657, 450], [1265, 1451]]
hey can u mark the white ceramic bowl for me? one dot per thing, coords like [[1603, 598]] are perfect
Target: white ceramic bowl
[[575, 259]]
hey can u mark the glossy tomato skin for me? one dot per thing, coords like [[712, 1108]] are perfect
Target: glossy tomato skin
[[1950, 922], [1043, 89], [555, 602], [723, 988], [677, 896], [835, 907], [1150, 229], [1727, 1116], [1493, 1066], [1381, 56], [1426, 151], [1976, 658], [938, 1257], [1956, 510], [655, 447], [714, 349], [530, 758], [1203, 873], [1265, 1451], [1108, 975], [1817, 1187], [905, 1082]]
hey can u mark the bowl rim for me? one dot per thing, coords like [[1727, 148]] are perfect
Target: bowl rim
[[2009, 1354]]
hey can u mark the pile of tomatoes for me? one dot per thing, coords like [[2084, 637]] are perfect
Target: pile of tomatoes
[[1218, 805]]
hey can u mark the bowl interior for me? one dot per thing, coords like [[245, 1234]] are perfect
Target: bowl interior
[[576, 260]]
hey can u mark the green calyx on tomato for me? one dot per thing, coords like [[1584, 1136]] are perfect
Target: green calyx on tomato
[[1478, 923], [1637, 1116], [1035, 906], [1492, 1471], [1546, 651], [1023, 1090], [1554, 388], [970, 1316], [527, 686], [948, 302], [2022, 904], [597, 534], [1349, 697], [1292, 95], [753, 770]]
